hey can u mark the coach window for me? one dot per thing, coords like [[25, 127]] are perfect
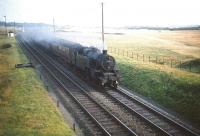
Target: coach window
[[85, 51], [75, 53], [80, 51]]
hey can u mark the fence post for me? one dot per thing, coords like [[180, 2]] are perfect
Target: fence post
[[171, 63], [156, 59], [47, 87], [132, 54], [57, 103], [143, 57], [137, 56], [180, 64], [74, 126], [163, 60]]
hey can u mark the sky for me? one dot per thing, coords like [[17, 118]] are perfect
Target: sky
[[117, 13]]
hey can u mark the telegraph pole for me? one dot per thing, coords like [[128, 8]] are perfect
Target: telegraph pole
[[102, 23], [6, 32], [14, 27], [54, 29], [104, 46]]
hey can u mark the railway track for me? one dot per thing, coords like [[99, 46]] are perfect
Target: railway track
[[132, 108], [150, 115], [102, 118], [142, 128]]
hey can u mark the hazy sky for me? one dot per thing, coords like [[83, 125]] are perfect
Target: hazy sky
[[117, 12]]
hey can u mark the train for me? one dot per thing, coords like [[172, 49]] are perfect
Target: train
[[96, 64]]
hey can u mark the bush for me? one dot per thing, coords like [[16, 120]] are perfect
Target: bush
[[5, 46]]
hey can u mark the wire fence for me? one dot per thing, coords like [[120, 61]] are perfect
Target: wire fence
[[170, 61]]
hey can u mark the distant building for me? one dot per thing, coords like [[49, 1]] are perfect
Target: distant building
[[11, 34]]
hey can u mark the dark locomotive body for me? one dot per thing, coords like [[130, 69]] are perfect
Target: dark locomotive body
[[95, 64]]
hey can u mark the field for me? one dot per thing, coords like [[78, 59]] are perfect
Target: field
[[163, 65], [179, 49], [25, 107]]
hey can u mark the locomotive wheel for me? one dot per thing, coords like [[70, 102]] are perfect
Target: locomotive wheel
[[115, 84], [101, 84], [88, 75]]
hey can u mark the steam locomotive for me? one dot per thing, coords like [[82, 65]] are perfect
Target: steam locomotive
[[96, 64]]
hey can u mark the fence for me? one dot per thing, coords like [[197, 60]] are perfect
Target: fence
[[162, 60]]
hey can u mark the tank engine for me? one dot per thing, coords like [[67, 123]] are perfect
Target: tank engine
[[99, 66]]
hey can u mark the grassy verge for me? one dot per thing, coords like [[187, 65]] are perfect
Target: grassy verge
[[25, 107], [175, 89]]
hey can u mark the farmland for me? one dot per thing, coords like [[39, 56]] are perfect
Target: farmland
[[163, 66], [179, 49]]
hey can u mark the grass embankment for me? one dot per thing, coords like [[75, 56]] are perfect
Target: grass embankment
[[25, 107], [173, 88]]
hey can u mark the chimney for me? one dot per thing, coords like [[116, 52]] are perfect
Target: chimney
[[105, 52]]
